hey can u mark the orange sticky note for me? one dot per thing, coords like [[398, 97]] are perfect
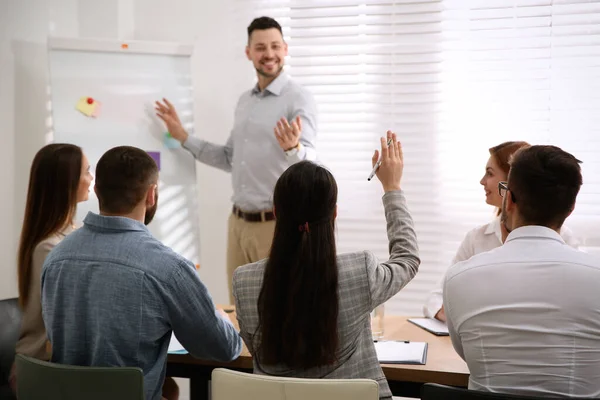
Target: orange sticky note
[[88, 106]]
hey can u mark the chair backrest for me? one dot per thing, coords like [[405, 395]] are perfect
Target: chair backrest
[[433, 391], [40, 380], [10, 326], [233, 385]]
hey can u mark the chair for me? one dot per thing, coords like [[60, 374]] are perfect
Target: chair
[[433, 391], [10, 315], [41, 380], [232, 385]]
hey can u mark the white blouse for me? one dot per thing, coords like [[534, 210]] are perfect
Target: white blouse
[[479, 240]]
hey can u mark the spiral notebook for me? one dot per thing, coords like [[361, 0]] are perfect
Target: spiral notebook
[[401, 352]]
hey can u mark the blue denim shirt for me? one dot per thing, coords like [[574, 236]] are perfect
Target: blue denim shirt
[[112, 294]]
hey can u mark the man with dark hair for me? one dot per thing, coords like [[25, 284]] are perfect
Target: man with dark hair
[[275, 126], [524, 316], [112, 294]]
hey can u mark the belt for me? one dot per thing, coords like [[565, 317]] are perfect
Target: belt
[[262, 216]]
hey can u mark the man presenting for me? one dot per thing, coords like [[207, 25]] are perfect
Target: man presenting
[[274, 127]]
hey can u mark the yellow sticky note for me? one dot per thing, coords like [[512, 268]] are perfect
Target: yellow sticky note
[[88, 106]]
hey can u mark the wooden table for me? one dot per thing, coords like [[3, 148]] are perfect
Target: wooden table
[[443, 365]]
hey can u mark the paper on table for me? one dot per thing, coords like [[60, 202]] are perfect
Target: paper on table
[[175, 347], [431, 325], [392, 352]]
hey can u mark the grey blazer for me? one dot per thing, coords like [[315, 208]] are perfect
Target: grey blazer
[[363, 284]]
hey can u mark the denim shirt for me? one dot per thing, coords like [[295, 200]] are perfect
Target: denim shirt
[[112, 295]]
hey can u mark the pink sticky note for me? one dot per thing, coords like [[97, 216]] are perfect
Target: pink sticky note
[[97, 109]]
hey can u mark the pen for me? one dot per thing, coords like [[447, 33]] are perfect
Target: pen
[[378, 163]]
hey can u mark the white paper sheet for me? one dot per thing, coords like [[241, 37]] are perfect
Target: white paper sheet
[[392, 352], [432, 325], [175, 346]]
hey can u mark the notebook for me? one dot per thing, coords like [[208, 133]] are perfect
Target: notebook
[[401, 352], [175, 347], [434, 326]]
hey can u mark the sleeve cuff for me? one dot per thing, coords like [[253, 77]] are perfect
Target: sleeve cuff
[[393, 196]]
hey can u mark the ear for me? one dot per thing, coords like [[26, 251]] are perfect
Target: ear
[[285, 48], [335, 212], [510, 204], [95, 190], [151, 195], [248, 52], [571, 211], [274, 213]]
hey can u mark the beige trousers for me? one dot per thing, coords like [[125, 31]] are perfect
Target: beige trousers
[[247, 242]]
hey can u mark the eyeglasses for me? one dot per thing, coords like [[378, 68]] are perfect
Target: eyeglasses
[[503, 188]]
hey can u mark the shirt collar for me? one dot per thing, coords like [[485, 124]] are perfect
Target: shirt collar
[[534, 231], [113, 223], [494, 228], [276, 86]]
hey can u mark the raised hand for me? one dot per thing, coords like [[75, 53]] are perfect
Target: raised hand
[[288, 135], [390, 171], [168, 114]]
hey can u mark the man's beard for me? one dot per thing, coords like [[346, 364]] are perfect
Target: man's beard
[[149, 216], [267, 75]]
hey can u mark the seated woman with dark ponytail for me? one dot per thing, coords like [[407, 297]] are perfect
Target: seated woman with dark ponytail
[[305, 311]]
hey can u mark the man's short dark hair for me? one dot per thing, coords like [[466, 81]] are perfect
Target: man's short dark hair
[[545, 181], [263, 23], [123, 176]]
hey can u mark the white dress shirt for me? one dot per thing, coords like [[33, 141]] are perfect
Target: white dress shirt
[[479, 240], [526, 316]]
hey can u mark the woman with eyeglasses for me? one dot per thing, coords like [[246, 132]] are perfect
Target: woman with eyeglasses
[[489, 236]]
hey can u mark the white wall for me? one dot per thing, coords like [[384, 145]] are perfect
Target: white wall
[[218, 76]]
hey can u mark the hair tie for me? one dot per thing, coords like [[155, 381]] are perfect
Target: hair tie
[[304, 227]]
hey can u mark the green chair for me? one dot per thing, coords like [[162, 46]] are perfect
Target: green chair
[[40, 380]]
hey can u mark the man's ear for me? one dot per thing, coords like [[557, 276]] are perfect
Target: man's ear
[[510, 204], [335, 212], [248, 52], [96, 190], [151, 195], [285, 48], [571, 211]]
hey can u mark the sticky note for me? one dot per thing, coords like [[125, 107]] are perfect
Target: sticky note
[[170, 142], [96, 112], [88, 106], [156, 157]]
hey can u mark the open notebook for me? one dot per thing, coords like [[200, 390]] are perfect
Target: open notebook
[[434, 326], [401, 352]]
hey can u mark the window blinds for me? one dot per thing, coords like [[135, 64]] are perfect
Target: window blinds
[[452, 78]]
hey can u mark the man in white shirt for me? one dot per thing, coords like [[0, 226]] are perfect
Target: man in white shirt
[[526, 316]]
